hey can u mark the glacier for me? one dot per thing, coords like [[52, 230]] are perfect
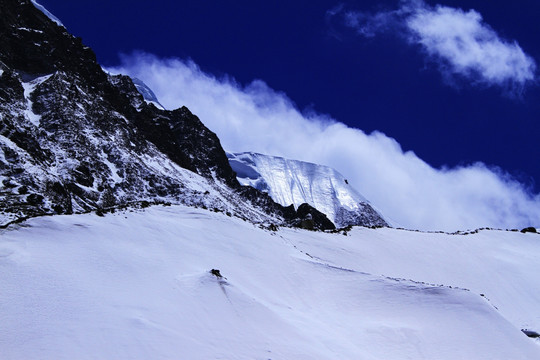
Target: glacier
[[296, 182]]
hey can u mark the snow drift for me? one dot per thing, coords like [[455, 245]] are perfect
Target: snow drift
[[137, 285]]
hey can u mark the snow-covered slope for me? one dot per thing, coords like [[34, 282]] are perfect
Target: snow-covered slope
[[297, 182], [500, 265], [137, 285]]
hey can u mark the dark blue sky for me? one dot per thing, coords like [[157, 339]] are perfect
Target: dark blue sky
[[379, 83]]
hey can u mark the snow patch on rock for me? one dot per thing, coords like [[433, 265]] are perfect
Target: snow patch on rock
[[29, 87]]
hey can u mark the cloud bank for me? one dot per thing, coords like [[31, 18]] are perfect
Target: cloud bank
[[407, 191], [459, 41]]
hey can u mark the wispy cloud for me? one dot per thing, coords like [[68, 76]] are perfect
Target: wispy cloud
[[408, 191], [371, 24], [459, 41]]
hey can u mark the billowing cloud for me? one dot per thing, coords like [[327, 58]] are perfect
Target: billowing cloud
[[407, 191], [460, 41]]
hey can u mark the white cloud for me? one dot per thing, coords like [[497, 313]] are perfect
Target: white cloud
[[470, 46], [459, 40], [369, 25], [408, 191]]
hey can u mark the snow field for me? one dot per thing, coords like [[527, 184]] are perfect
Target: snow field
[[136, 285], [502, 265]]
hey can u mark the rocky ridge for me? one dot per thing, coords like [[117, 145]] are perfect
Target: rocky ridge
[[75, 139]]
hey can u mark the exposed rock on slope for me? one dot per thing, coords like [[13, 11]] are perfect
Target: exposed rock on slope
[[74, 139]]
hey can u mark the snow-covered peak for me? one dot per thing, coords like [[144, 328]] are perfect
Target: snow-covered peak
[[147, 93], [47, 12], [297, 182]]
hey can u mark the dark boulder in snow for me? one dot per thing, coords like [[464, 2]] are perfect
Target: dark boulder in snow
[[313, 219], [530, 333]]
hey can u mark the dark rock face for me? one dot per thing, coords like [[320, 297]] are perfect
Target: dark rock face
[[313, 219], [365, 216], [33, 44], [178, 134], [75, 139]]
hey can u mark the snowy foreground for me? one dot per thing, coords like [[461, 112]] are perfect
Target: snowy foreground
[[136, 285]]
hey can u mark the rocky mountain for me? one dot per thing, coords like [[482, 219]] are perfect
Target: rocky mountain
[[298, 182], [75, 139]]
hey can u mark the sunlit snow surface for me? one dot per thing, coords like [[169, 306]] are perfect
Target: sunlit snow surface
[[297, 182], [136, 285]]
